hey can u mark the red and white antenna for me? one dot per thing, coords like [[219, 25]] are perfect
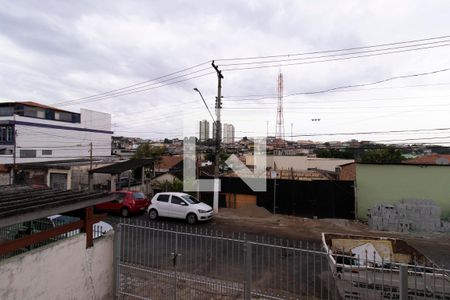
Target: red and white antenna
[[279, 131]]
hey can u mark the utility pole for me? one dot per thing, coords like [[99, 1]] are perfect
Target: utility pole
[[90, 183], [14, 173], [218, 137]]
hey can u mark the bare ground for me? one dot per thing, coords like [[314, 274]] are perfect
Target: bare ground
[[257, 220]]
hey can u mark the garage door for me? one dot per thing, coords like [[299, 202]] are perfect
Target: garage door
[[58, 181], [240, 200]]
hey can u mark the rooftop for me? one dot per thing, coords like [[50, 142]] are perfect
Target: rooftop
[[24, 203], [121, 167]]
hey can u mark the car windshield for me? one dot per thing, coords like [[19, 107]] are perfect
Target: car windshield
[[138, 196], [190, 199]]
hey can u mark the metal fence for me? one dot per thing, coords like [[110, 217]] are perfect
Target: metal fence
[[156, 261], [17, 231]]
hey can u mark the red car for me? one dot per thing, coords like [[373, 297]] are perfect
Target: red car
[[125, 203]]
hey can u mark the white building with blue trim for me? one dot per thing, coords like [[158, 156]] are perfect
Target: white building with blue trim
[[42, 133]]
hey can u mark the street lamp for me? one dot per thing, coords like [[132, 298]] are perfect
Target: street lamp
[[200, 93]]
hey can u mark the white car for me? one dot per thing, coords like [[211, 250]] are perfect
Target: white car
[[179, 205], [99, 228]]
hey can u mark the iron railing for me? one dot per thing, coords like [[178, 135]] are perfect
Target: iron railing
[[160, 261], [17, 231]]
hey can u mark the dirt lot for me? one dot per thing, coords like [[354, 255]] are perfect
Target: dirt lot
[[257, 220], [254, 220]]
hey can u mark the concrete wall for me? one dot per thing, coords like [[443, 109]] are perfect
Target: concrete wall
[[300, 162], [62, 270], [377, 184]]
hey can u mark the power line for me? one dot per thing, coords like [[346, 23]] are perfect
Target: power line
[[140, 83], [354, 85], [335, 50], [331, 59], [134, 91], [335, 55]]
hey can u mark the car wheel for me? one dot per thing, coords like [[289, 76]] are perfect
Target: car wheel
[[124, 212], [191, 218], [153, 214]]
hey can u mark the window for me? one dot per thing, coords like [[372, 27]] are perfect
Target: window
[[119, 198], [27, 153], [63, 116], [178, 200], [47, 152], [40, 114], [163, 198], [6, 134], [9, 134], [191, 199], [138, 195], [6, 111]]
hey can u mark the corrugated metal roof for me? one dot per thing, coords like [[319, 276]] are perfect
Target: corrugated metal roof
[[24, 203], [124, 166]]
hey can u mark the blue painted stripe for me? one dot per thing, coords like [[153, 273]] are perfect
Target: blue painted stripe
[[59, 127]]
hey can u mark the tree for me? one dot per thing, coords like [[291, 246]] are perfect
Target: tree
[[167, 186], [334, 153], [211, 156], [385, 155], [148, 151]]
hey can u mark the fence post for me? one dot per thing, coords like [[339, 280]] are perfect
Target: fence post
[[248, 271], [403, 282], [116, 253]]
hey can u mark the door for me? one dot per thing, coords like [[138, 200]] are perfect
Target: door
[[178, 207], [162, 205], [58, 181]]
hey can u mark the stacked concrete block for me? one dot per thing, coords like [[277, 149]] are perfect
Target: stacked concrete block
[[408, 215], [383, 217]]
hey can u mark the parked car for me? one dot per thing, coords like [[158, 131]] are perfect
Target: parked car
[[179, 205], [99, 228], [42, 224], [125, 203]]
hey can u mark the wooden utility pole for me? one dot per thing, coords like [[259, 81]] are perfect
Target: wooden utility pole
[[14, 172], [90, 181], [218, 137]]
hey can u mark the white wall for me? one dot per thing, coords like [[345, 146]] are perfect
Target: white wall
[[64, 143], [62, 270], [300, 162]]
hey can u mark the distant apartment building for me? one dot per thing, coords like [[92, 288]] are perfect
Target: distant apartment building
[[37, 132], [228, 134], [204, 130]]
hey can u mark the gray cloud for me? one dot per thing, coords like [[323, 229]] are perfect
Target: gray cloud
[[54, 51]]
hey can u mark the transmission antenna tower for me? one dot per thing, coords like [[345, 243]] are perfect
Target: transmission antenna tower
[[279, 131]]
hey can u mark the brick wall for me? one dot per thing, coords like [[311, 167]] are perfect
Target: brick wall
[[347, 172]]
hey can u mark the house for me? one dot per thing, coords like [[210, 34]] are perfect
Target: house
[[433, 159], [71, 174], [33, 132], [166, 162]]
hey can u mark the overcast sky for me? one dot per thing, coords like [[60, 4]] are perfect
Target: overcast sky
[[55, 51]]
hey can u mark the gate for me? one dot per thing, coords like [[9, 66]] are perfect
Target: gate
[[154, 261], [160, 261]]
